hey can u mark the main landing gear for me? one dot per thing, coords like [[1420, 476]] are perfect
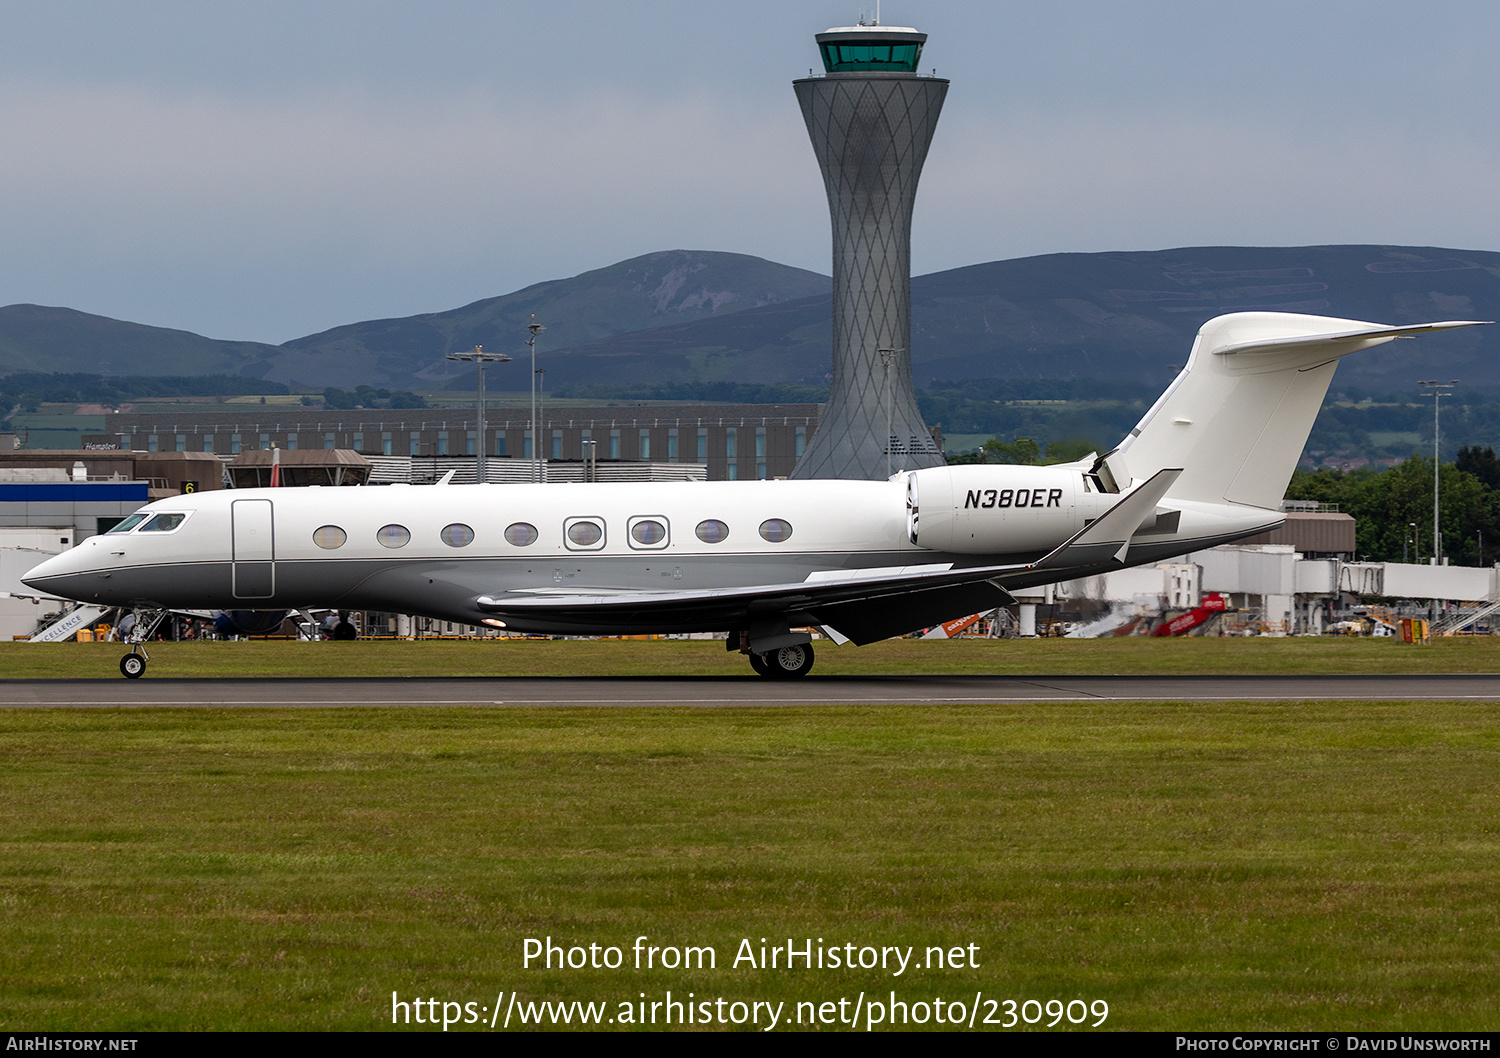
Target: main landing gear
[[784, 663]]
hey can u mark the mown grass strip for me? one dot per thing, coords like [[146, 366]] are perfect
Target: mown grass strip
[[1315, 865], [1126, 656]]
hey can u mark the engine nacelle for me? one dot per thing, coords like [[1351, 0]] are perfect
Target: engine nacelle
[[993, 509]]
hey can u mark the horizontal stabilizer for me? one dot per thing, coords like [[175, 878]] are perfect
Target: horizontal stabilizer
[[1368, 333], [1107, 537]]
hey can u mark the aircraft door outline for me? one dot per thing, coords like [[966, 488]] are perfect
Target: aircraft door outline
[[252, 549]]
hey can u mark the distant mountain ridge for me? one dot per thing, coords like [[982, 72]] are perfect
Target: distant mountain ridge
[[703, 316], [44, 338], [644, 292], [1126, 316]]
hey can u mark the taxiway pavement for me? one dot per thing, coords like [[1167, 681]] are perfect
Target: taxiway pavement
[[732, 690]]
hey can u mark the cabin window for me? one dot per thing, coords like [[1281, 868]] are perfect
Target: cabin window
[[521, 534], [776, 530], [457, 535], [393, 535], [584, 534], [129, 523], [648, 532], [329, 537], [163, 523], [712, 531]]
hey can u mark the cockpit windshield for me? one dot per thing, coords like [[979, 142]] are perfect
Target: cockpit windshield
[[163, 523], [129, 523]]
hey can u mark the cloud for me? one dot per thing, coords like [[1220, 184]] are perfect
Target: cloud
[[1044, 183], [342, 190], [271, 217]]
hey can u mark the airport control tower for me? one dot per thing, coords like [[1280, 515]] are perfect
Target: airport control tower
[[871, 119]]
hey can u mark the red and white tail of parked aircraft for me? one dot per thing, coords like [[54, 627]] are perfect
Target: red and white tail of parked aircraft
[[758, 560]]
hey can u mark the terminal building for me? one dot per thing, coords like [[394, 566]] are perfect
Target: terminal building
[[732, 442]]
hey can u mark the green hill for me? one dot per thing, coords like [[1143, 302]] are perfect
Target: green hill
[[1126, 317], [687, 316], [641, 293], [39, 338]]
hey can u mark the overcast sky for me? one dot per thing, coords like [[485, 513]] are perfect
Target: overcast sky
[[264, 170]]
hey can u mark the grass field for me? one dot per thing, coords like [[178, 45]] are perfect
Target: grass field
[[1131, 655], [1312, 865]]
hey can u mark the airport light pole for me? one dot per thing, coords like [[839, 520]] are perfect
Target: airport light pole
[[480, 358], [535, 328], [1437, 389], [541, 411]]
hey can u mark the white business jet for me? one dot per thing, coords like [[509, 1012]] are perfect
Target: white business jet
[[762, 560]]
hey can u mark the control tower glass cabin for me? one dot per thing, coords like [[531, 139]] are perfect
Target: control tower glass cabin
[[870, 118], [894, 49]]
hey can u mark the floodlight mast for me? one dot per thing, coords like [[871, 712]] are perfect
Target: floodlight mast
[[480, 358], [1436, 388], [541, 407], [535, 328]]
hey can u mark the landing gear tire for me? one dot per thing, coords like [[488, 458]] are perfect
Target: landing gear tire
[[132, 665], [786, 663]]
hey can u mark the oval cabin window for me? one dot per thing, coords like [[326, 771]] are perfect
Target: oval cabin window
[[648, 532], [457, 535], [776, 530], [585, 534], [520, 534], [329, 537], [712, 531], [393, 536]]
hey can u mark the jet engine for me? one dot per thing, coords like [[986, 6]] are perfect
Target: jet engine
[[994, 509]]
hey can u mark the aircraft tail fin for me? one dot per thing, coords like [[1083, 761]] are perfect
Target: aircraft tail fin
[[1238, 415]]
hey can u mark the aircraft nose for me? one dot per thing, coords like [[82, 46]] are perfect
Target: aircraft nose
[[51, 576]]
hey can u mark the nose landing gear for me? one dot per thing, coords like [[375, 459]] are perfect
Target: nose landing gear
[[132, 665], [142, 628]]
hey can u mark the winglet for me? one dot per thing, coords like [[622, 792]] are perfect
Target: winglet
[[1108, 536]]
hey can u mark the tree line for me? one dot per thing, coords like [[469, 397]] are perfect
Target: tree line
[[1392, 508]]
